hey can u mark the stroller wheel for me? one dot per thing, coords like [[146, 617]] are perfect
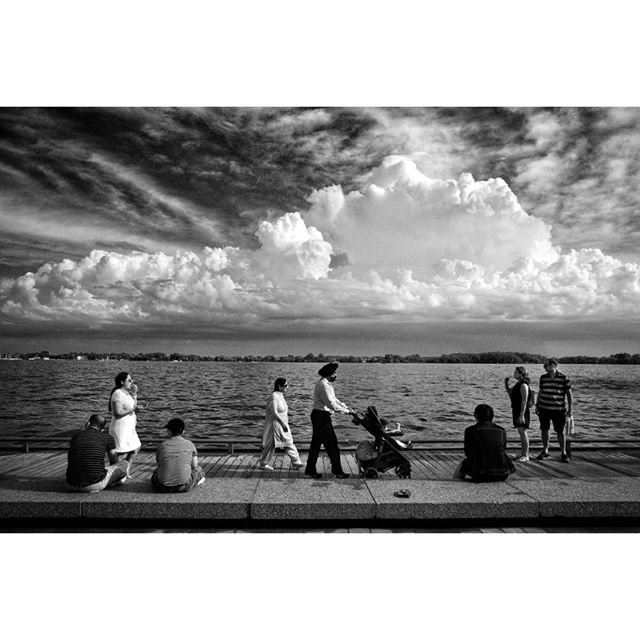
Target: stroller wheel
[[403, 472], [371, 472]]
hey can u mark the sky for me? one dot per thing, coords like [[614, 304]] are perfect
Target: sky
[[277, 230]]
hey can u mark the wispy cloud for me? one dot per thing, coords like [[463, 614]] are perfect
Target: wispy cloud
[[418, 249], [278, 218]]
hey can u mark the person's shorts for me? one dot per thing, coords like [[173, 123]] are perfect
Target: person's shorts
[[113, 473], [197, 476], [558, 418]]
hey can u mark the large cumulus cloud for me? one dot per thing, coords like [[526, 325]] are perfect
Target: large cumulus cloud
[[403, 247]]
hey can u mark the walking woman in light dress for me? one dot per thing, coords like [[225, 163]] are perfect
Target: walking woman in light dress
[[123, 403], [519, 395], [276, 431]]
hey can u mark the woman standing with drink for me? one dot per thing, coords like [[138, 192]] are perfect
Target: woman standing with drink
[[123, 403], [519, 395]]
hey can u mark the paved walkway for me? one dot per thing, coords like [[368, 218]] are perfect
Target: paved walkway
[[599, 489]]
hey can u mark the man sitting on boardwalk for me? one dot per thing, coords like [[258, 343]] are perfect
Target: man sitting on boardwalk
[[85, 461], [485, 450], [177, 460]]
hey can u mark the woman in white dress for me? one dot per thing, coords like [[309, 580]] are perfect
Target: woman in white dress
[[276, 431], [122, 404]]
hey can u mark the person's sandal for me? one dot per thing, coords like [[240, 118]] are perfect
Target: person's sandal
[[543, 455]]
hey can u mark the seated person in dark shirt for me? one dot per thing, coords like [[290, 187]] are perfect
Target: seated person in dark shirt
[[484, 447], [177, 459], [85, 461]]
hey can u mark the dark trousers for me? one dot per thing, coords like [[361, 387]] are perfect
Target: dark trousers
[[323, 435]]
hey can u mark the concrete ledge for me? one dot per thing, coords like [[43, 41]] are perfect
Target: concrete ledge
[[288, 500], [447, 500], [312, 500], [219, 499], [584, 498], [38, 499]]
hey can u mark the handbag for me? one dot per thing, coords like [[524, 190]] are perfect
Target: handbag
[[570, 427]]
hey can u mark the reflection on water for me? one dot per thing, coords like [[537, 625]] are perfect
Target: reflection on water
[[220, 399]]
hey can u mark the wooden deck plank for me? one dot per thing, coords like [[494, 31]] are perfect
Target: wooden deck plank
[[279, 469], [224, 465], [619, 463], [238, 467], [208, 463], [221, 464], [426, 465], [442, 463], [251, 464], [421, 468], [11, 463], [41, 466]]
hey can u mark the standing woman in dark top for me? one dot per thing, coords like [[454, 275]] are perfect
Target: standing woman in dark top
[[519, 395]]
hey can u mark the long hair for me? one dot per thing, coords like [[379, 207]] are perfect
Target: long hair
[[278, 383], [120, 378], [525, 375]]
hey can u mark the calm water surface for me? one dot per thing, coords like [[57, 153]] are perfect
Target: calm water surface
[[219, 399]]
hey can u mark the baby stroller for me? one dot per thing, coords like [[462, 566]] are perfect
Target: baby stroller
[[385, 452]]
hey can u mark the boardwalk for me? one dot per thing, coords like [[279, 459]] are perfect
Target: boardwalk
[[426, 465], [598, 490]]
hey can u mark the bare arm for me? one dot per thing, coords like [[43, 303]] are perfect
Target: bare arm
[[113, 456], [569, 402], [524, 396], [118, 409]]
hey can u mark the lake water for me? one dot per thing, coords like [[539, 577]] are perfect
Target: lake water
[[220, 399]]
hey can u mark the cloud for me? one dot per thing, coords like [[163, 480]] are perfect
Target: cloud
[[412, 249]]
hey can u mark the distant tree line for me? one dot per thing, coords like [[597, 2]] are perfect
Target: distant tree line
[[488, 357]]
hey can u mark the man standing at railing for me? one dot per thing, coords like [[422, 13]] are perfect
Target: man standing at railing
[[325, 404], [550, 407]]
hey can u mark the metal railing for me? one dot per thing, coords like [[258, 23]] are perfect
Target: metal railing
[[248, 444]]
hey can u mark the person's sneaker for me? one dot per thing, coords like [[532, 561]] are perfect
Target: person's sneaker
[[342, 475], [200, 482], [266, 467], [565, 458], [522, 459], [122, 480], [313, 474], [543, 455], [297, 465]]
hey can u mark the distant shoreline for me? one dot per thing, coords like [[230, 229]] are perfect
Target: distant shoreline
[[487, 357]]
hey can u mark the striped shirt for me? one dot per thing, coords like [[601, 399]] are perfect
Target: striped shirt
[[86, 457], [552, 391]]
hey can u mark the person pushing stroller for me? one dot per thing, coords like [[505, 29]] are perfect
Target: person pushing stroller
[[325, 404]]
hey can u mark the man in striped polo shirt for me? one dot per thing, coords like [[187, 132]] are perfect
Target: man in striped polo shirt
[[85, 461], [550, 407]]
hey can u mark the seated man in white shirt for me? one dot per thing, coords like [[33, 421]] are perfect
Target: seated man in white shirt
[[325, 404]]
